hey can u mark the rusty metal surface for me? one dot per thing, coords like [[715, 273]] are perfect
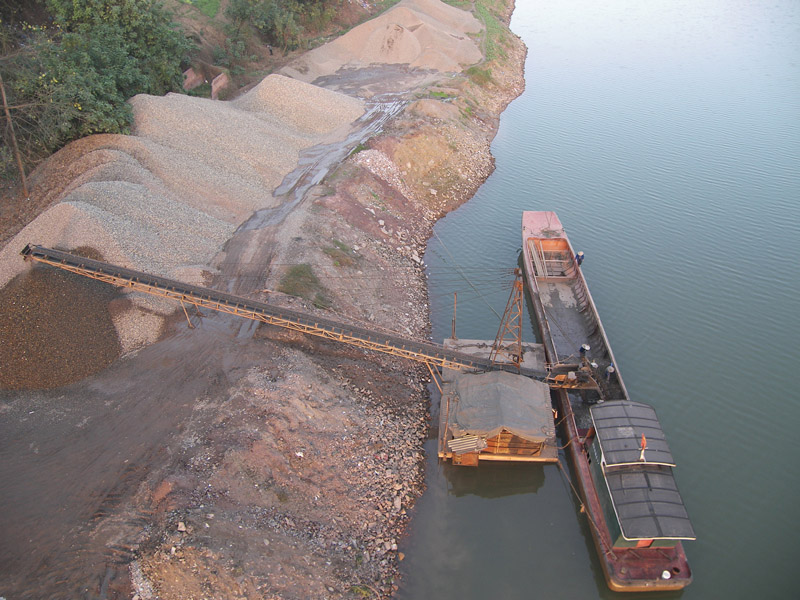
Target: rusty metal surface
[[507, 348]]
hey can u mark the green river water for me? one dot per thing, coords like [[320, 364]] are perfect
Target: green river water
[[666, 135]]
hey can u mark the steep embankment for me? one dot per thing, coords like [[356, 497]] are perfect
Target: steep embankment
[[217, 462]]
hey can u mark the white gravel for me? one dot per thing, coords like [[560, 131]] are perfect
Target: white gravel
[[165, 199], [380, 165], [308, 109]]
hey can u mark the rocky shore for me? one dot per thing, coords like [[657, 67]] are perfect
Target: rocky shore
[[229, 460]]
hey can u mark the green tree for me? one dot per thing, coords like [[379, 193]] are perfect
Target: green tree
[[143, 30], [75, 78], [279, 22]]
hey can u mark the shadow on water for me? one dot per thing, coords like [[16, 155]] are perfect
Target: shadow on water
[[496, 482]]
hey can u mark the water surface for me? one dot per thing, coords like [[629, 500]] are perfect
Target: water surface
[[666, 135]]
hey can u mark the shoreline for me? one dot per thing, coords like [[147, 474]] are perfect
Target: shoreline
[[286, 465]]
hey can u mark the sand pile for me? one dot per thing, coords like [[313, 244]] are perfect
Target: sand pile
[[165, 199], [425, 34], [307, 109]]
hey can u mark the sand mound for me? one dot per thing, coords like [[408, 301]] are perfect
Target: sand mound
[[193, 170], [165, 199], [307, 109], [390, 44], [449, 16], [425, 34]]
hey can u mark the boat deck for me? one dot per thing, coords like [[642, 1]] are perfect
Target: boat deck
[[569, 311], [569, 327], [568, 319], [573, 323]]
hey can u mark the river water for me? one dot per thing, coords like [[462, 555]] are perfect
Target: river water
[[666, 135]]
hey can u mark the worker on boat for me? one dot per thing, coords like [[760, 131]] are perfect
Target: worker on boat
[[579, 258]]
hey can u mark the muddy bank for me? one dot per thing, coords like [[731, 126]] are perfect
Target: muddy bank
[[236, 461]]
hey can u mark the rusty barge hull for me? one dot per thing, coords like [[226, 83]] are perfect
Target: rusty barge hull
[[651, 558]]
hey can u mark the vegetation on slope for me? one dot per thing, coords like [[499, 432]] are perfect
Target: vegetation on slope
[[68, 67], [69, 73]]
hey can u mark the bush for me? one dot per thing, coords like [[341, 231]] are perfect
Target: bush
[[341, 254], [145, 33], [280, 22], [74, 79], [300, 281], [479, 76]]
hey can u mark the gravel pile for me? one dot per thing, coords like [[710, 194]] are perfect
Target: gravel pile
[[158, 231], [310, 110], [206, 186], [218, 136], [166, 199], [47, 342], [423, 34]]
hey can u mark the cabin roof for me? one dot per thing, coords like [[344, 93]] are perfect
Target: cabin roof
[[620, 425], [643, 492], [487, 403], [647, 503]]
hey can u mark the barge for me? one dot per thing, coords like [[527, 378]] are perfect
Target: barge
[[619, 453], [495, 416]]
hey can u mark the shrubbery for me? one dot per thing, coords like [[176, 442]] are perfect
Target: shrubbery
[[71, 73], [73, 76], [280, 23]]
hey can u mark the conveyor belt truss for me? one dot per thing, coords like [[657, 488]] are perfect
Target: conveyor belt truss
[[389, 343]]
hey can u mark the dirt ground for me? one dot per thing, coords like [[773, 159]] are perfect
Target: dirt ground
[[230, 460]]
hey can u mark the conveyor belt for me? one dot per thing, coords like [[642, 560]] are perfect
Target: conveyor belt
[[388, 343]]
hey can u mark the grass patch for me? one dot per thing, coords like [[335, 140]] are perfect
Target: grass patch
[[496, 31], [361, 590], [376, 199], [382, 6], [209, 8], [300, 281], [360, 148], [201, 91], [341, 254], [322, 301], [479, 76], [441, 95]]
